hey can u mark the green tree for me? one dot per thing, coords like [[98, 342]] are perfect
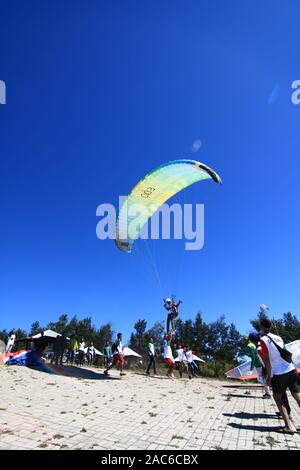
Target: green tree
[[138, 340], [104, 334], [60, 325], [35, 328], [157, 332], [200, 334]]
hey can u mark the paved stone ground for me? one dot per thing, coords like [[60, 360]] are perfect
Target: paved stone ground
[[86, 410]]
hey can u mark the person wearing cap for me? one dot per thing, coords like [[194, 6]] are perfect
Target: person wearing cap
[[281, 372], [256, 362]]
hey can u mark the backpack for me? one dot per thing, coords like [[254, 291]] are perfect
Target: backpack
[[284, 353], [114, 348]]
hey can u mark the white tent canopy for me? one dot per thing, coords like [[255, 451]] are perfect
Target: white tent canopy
[[195, 358], [97, 352], [47, 334], [129, 352]]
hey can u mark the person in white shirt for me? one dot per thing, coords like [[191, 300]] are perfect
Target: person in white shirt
[[191, 363], [11, 341], [183, 366], [90, 354], [168, 355], [81, 352], [281, 372], [151, 354]]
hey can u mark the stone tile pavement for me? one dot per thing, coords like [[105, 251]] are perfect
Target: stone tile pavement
[[80, 408]]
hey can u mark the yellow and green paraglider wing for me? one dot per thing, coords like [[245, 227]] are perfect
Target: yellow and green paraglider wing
[[152, 191]]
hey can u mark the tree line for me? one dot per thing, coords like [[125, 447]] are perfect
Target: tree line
[[220, 344]]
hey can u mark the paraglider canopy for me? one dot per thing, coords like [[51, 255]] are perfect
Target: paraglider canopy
[[152, 191]]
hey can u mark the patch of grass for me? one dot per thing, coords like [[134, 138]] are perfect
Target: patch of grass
[[144, 422], [210, 398], [271, 441], [58, 436], [83, 430], [43, 445], [247, 392], [177, 437], [63, 412], [152, 415], [258, 443]]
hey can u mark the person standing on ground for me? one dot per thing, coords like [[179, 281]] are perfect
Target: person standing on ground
[[151, 354], [118, 355], [256, 362], [191, 363], [81, 352], [281, 372], [107, 353], [62, 341], [183, 363], [90, 354], [73, 346]]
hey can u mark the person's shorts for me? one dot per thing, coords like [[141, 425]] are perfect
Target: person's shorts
[[169, 362], [290, 380], [119, 358]]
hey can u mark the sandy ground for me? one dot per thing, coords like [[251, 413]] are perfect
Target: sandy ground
[[80, 408]]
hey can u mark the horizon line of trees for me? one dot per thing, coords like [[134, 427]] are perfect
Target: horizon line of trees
[[212, 341]]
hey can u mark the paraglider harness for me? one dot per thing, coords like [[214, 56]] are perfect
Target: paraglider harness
[[173, 313]]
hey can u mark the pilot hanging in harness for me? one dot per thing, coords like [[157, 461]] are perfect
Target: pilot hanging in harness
[[172, 309]]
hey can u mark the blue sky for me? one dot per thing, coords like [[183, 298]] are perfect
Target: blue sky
[[98, 94]]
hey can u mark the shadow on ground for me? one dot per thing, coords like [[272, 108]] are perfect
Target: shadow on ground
[[253, 427], [243, 415], [237, 386], [76, 372], [236, 395]]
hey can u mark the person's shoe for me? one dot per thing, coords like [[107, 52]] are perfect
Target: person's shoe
[[122, 373], [105, 372], [190, 377], [266, 396], [147, 372]]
